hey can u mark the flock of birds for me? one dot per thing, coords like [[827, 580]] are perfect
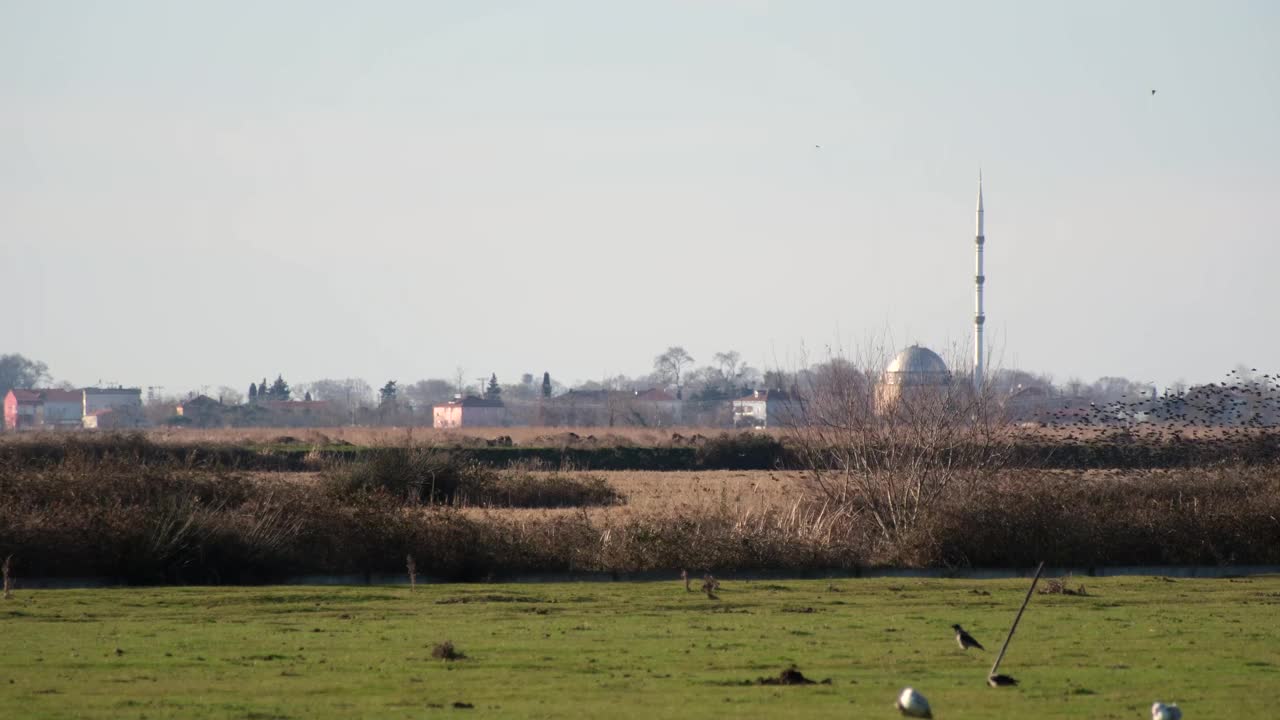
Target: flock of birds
[[1233, 410], [910, 702]]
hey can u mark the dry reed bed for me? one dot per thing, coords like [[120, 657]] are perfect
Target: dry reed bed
[[172, 523]]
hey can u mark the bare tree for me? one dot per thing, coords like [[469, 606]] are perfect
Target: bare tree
[[729, 364], [670, 366], [346, 395], [891, 452], [229, 395]]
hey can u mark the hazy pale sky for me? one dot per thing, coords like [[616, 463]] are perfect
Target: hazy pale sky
[[205, 193]]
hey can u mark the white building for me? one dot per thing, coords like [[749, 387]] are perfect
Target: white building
[[469, 411], [62, 408], [765, 409], [103, 408]]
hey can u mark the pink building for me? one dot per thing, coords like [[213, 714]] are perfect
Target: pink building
[[22, 409], [469, 411]]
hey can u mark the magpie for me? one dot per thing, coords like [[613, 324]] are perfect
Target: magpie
[[965, 640]]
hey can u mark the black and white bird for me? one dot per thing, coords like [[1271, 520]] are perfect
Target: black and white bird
[[965, 640], [1160, 711], [912, 704]]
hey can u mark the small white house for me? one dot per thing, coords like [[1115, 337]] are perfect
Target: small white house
[[469, 411], [765, 409]]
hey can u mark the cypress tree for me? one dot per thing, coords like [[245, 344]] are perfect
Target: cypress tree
[[280, 389]]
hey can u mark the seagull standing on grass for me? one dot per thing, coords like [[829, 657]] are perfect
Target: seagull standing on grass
[[965, 640], [912, 704], [1160, 711]]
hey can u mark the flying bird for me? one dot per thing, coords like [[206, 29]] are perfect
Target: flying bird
[[1153, 92], [965, 640], [1160, 711], [912, 704]]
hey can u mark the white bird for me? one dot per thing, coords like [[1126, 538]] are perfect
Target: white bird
[[1160, 711], [912, 704]]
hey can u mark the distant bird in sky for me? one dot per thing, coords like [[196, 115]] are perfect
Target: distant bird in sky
[[1153, 92], [1160, 711], [965, 640], [912, 704], [817, 146]]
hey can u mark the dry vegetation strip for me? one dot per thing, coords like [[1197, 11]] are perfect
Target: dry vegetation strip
[[94, 516]]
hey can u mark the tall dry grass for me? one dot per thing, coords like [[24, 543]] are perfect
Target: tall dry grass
[[114, 517]]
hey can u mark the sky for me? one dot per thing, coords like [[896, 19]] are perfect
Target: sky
[[197, 194]]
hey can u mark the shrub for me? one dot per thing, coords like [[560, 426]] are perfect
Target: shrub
[[416, 474], [742, 451], [524, 489]]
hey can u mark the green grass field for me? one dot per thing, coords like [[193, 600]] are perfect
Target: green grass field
[[640, 650]]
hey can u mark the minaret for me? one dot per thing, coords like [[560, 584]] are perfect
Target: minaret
[[979, 317]]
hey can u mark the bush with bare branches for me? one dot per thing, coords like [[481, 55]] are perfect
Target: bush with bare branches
[[890, 456]]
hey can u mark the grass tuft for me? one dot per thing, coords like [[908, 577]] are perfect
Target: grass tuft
[[446, 651]]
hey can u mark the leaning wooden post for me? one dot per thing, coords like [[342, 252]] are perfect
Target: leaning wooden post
[[1016, 618]]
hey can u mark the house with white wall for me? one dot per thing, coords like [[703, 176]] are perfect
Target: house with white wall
[[469, 411], [766, 409]]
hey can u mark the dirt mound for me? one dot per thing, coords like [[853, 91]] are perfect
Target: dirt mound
[[446, 651], [790, 676], [1055, 586]]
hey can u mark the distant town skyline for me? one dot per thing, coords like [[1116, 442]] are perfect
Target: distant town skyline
[[197, 195]]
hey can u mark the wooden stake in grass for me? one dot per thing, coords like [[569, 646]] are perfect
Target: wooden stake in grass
[[412, 567], [1016, 618], [7, 569]]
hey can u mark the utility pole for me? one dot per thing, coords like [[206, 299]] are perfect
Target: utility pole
[[980, 316]]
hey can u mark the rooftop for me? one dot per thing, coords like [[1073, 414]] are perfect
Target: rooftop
[[767, 395], [471, 401]]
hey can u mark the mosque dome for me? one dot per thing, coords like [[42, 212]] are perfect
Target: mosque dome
[[917, 366]]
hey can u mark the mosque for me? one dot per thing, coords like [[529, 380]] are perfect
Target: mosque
[[918, 370]]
